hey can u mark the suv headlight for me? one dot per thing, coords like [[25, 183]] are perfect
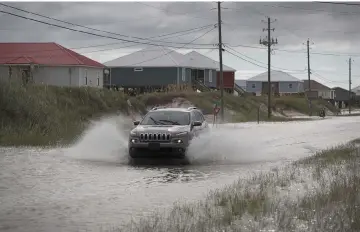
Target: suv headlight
[[133, 133], [181, 133]]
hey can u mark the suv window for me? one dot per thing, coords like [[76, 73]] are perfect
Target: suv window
[[198, 116], [166, 118]]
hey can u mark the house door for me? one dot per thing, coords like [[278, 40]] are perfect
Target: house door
[[26, 76], [274, 88]]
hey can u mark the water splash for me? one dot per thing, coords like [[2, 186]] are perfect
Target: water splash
[[104, 140]]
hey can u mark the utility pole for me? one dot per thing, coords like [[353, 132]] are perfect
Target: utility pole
[[309, 72], [350, 95], [221, 64], [268, 42]]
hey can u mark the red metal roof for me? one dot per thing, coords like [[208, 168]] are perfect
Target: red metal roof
[[51, 54]]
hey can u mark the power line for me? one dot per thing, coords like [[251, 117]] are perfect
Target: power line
[[84, 32], [279, 69], [245, 60], [341, 3], [139, 42], [293, 51], [78, 25], [313, 72], [263, 62], [116, 48], [314, 10], [154, 58], [325, 79], [167, 11], [288, 7]]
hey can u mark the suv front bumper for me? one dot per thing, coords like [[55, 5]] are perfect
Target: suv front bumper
[[177, 147]]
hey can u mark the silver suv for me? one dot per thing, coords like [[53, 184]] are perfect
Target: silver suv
[[166, 132]]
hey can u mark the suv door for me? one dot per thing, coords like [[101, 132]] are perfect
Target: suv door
[[199, 117], [205, 125], [194, 118]]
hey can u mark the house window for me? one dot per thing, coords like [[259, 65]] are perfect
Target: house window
[[210, 75], [290, 86], [85, 76], [183, 74], [138, 69], [253, 86], [98, 78]]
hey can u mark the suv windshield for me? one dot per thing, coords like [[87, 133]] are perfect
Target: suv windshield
[[166, 118]]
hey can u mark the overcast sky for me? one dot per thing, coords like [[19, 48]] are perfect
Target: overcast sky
[[332, 29]]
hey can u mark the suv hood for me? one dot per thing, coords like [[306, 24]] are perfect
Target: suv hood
[[157, 128]]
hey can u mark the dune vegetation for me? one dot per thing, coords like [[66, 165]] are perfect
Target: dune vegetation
[[45, 115], [48, 115], [318, 193]]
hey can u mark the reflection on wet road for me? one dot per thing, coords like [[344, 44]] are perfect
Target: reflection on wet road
[[92, 187]]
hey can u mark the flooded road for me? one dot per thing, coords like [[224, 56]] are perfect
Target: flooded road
[[92, 187]]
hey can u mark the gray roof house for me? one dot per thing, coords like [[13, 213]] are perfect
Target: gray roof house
[[356, 90], [158, 67], [282, 83], [241, 84], [203, 60], [228, 72]]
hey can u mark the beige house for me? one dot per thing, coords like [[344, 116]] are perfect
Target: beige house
[[48, 64]]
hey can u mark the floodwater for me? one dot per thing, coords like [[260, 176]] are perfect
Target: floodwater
[[92, 187]]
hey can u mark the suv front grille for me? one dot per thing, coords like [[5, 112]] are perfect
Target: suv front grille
[[161, 137]]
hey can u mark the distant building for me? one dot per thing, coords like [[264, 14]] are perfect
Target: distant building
[[356, 90], [49, 64], [228, 73], [158, 68], [241, 84], [319, 90], [342, 97], [282, 84]]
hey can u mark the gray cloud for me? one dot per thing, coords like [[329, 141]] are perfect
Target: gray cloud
[[332, 28], [325, 24]]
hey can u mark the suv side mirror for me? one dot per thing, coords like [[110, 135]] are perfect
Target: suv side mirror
[[136, 123], [197, 123]]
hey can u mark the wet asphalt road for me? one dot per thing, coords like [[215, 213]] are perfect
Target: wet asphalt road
[[59, 190]]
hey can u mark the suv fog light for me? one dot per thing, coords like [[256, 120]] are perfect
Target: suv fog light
[[133, 140], [179, 141]]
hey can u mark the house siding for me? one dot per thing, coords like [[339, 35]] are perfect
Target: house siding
[[4, 73], [57, 75], [92, 75], [210, 83], [342, 95], [127, 77], [229, 79], [284, 87], [254, 87], [297, 87], [325, 94]]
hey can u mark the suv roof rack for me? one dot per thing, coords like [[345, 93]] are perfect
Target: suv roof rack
[[192, 108], [158, 107]]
